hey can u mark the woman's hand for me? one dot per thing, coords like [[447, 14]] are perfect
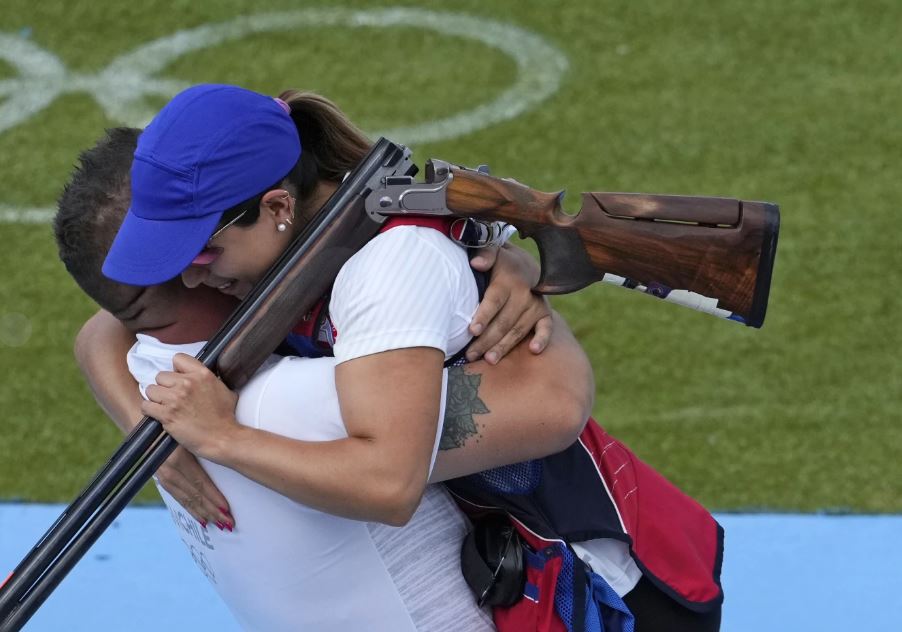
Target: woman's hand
[[194, 406], [100, 349], [186, 481], [509, 310]]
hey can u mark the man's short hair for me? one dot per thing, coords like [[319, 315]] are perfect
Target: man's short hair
[[90, 211]]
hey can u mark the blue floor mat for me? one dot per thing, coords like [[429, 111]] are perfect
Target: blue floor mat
[[781, 572]]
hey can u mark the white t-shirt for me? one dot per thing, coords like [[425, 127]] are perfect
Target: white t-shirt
[[433, 298], [290, 567], [432, 295]]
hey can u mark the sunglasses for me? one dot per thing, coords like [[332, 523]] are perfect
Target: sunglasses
[[219, 230]]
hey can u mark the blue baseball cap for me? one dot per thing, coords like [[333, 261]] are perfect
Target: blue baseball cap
[[210, 148]]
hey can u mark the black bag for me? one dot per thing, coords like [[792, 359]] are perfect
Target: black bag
[[491, 560]]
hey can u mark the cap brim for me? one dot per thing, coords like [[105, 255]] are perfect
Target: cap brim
[[147, 251]]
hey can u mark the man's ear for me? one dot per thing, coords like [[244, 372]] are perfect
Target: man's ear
[[278, 204]]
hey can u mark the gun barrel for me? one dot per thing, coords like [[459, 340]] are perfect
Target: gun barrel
[[250, 334]]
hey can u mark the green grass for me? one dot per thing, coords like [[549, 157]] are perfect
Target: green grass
[[790, 101]]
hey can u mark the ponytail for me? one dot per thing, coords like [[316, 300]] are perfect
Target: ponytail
[[327, 135]]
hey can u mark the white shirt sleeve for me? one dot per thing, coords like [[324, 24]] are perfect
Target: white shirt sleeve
[[148, 357], [409, 287]]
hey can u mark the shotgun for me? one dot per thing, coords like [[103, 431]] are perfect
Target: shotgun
[[722, 248]]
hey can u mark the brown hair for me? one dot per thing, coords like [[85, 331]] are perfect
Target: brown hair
[[327, 135]]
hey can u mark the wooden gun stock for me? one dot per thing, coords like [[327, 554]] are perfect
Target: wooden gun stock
[[719, 248]]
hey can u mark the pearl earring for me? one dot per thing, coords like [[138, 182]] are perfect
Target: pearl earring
[[281, 228]]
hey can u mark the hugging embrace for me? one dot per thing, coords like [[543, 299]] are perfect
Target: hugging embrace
[[330, 491]]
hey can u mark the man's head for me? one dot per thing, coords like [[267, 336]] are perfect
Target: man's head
[[90, 211]]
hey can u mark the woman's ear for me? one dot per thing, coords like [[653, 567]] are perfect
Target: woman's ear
[[279, 205]]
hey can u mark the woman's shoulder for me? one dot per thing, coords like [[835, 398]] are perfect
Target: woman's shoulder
[[405, 250], [416, 238]]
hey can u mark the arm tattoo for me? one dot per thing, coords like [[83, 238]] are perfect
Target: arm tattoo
[[461, 404]]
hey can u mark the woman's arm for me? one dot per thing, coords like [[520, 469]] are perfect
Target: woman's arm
[[378, 473], [527, 407], [101, 347], [398, 292], [536, 405]]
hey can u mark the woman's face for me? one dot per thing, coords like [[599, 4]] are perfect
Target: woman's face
[[236, 258]]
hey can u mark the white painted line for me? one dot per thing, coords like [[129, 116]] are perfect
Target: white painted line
[[13, 215], [122, 87]]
